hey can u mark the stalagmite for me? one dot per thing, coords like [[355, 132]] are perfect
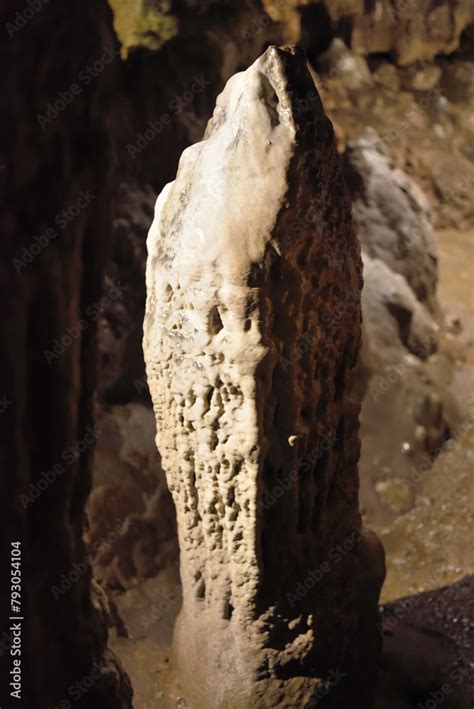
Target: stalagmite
[[252, 328]]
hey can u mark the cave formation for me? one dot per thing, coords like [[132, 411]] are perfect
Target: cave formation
[[251, 256], [263, 516]]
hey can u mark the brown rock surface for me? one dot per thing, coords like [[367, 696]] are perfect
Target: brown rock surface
[[409, 30]]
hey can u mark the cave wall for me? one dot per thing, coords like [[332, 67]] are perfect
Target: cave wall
[[174, 61], [56, 175], [408, 30]]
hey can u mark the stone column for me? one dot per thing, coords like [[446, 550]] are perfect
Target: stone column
[[252, 329]]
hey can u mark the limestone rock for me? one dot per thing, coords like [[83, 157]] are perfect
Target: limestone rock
[[386, 75], [391, 216], [395, 321], [396, 494], [408, 30], [407, 410], [352, 70], [251, 331], [155, 23], [411, 31], [149, 24], [420, 76]]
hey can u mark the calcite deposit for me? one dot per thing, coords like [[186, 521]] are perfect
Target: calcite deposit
[[251, 333]]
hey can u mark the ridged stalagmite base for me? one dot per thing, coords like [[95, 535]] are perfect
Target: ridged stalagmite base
[[252, 329]]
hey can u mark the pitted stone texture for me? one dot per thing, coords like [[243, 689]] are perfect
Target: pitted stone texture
[[252, 328]]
